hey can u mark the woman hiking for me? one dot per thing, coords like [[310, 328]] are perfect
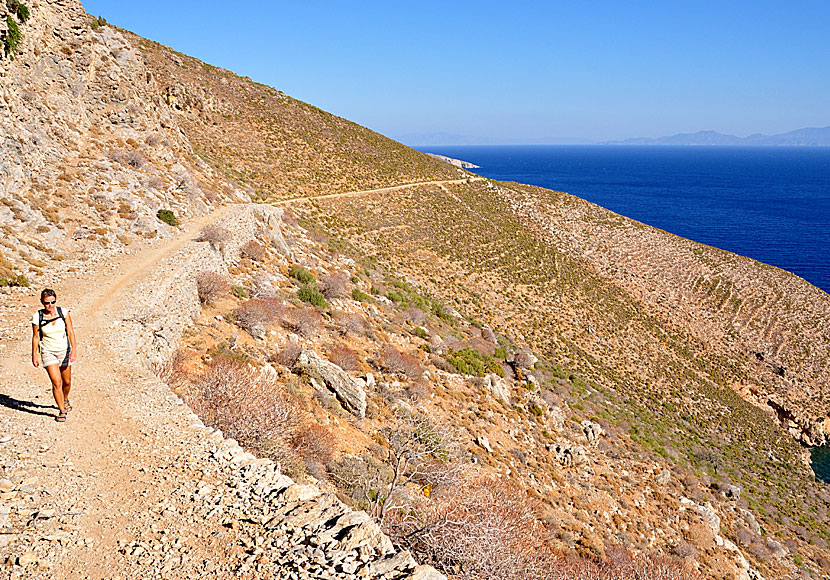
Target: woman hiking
[[53, 336]]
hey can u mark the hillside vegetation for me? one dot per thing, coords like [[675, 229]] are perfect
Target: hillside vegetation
[[513, 382], [278, 146]]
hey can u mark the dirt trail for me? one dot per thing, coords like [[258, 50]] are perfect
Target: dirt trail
[[439, 183], [86, 469], [96, 496]]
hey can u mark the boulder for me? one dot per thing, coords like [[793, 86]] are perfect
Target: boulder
[[269, 219], [347, 390], [569, 456], [592, 431], [425, 573], [497, 387]]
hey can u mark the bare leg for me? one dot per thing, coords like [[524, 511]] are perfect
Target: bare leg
[[66, 377], [57, 385]]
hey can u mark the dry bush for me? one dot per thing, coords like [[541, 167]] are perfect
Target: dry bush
[[131, 157], [288, 356], [210, 286], [171, 370], [214, 234], [247, 406], [484, 528], [523, 359], [263, 286], [258, 312], [254, 251], [337, 285], [620, 564], [306, 321], [154, 182], [754, 543], [416, 450], [345, 358], [315, 442], [394, 361], [419, 390], [414, 315], [153, 139], [352, 323]]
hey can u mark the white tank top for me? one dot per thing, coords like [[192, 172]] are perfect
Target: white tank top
[[54, 334]]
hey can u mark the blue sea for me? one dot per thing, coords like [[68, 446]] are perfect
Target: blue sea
[[769, 203]]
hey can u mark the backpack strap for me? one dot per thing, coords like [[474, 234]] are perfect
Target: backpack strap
[[68, 344], [40, 323]]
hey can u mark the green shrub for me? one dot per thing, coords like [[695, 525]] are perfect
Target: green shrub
[[467, 361], [496, 369], [13, 37], [421, 332], [359, 295], [98, 23], [439, 311], [537, 410], [23, 12], [18, 280], [239, 292], [19, 9], [500, 353], [311, 295], [301, 275], [395, 296], [167, 216]]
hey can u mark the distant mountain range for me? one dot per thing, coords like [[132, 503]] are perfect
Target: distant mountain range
[[808, 137]]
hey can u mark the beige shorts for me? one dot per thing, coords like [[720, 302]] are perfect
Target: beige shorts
[[55, 358]]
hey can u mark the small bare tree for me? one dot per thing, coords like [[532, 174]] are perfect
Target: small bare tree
[[210, 286], [417, 451]]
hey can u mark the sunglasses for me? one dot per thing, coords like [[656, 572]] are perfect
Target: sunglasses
[[47, 303]]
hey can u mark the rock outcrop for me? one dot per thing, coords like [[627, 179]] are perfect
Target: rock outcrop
[[349, 391]]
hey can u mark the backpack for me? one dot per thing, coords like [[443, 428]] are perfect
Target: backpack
[[40, 324]]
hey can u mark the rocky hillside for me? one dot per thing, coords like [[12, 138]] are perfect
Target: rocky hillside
[[514, 383], [90, 151]]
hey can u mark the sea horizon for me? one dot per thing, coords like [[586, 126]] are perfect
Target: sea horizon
[[769, 203]]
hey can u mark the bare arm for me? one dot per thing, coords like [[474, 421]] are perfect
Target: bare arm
[[70, 332], [35, 345]]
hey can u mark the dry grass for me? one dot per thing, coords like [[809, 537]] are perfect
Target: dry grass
[[210, 287]]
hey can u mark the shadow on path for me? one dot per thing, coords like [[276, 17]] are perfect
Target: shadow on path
[[25, 406]]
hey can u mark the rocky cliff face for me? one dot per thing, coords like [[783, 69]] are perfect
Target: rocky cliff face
[[89, 151]]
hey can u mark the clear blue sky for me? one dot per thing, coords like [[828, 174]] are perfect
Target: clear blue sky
[[518, 72]]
